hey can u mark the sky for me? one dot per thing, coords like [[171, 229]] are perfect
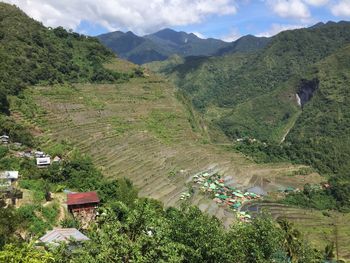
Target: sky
[[223, 19]]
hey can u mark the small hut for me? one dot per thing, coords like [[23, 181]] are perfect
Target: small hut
[[87, 201], [43, 162], [59, 235], [4, 139]]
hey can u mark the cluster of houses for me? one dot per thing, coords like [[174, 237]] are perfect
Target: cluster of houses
[[42, 159], [7, 178], [5, 139], [83, 207]]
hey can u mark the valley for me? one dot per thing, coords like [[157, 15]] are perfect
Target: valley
[[212, 151], [141, 131]]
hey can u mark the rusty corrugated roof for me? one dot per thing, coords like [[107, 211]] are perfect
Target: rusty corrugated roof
[[82, 198]]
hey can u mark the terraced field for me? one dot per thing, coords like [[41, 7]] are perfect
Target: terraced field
[[140, 130], [320, 228]]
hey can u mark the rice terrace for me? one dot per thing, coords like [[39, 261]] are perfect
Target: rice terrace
[[125, 137], [139, 130], [143, 131]]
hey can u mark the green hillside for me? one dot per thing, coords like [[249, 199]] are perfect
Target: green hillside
[[248, 43], [320, 136], [254, 96], [32, 54]]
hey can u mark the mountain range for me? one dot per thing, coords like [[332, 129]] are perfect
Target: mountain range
[[167, 42], [276, 94]]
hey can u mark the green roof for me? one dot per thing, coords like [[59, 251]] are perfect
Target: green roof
[[223, 196], [238, 194]]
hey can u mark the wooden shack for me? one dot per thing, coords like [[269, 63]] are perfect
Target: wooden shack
[[78, 202]]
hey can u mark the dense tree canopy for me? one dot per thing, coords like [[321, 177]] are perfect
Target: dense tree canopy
[[32, 54]]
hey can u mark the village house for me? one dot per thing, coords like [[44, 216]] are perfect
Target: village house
[[4, 139], [9, 176], [43, 162], [65, 235], [28, 153], [39, 154], [7, 188], [83, 207], [78, 202]]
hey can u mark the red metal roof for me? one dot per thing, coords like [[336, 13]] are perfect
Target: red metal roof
[[82, 198]]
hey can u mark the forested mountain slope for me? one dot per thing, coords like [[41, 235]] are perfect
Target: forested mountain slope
[[258, 88], [321, 133], [248, 43], [293, 95], [31, 54]]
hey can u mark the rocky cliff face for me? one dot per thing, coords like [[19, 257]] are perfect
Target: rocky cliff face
[[306, 90]]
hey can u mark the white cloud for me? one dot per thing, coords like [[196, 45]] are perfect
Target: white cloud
[[342, 8], [277, 28], [233, 35], [200, 35], [137, 15], [316, 2], [290, 8]]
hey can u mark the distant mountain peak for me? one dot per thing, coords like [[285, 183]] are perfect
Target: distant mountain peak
[[130, 33], [320, 24], [165, 30], [167, 42], [176, 37], [330, 23]]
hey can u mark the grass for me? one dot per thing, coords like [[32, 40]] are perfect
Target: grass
[[37, 188], [120, 65], [164, 125]]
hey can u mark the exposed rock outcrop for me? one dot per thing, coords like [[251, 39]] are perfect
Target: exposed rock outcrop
[[306, 90]]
